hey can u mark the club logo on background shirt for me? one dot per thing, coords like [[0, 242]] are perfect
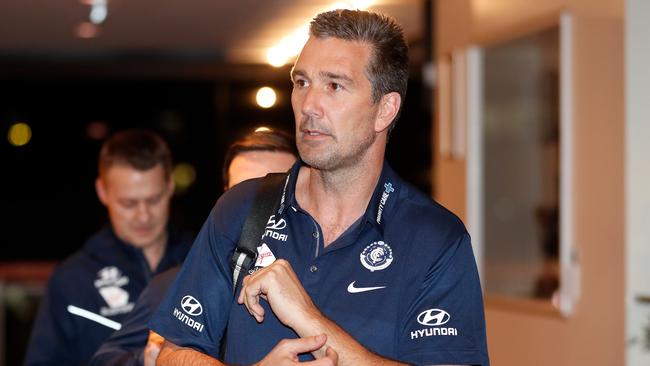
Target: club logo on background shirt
[[272, 228], [191, 306], [110, 276], [433, 319], [109, 283], [376, 256]]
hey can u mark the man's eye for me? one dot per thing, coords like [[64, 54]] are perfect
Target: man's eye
[[335, 86], [129, 204], [300, 83], [154, 200]]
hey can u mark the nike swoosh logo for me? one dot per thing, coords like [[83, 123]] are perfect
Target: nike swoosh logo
[[355, 290]]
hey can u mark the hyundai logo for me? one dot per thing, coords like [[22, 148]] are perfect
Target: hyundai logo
[[191, 305], [433, 317], [276, 225]]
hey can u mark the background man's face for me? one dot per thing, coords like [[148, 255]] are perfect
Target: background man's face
[[137, 203], [253, 164], [332, 103]]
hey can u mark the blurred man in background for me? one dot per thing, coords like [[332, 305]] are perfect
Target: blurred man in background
[[92, 291], [254, 155]]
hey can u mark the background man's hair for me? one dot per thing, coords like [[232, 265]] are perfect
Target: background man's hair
[[387, 69], [139, 149], [268, 140]]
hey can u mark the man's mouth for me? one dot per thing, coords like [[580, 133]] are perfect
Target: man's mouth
[[313, 133]]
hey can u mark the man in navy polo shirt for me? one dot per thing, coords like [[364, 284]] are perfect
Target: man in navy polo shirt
[[356, 267]]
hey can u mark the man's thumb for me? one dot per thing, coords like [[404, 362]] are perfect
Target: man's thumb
[[308, 344]]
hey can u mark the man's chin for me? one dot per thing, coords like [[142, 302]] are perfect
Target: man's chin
[[142, 241]]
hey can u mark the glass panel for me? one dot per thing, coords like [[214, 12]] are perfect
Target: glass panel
[[521, 166]]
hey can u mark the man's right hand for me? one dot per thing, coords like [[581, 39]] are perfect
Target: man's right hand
[[286, 352]]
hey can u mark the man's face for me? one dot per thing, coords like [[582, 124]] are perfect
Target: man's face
[[137, 203], [332, 103], [254, 164]]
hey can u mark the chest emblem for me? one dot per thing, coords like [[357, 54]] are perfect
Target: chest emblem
[[376, 256], [264, 256], [109, 284]]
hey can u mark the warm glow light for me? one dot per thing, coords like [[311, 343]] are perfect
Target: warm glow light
[[184, 176], [97, 130], [86, 30], [361, 4], [265, 97], [275, 57], [289, 47], [263, 129], [352, 4], [19, 134]]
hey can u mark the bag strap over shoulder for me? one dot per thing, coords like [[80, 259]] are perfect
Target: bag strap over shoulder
[[266, 202]]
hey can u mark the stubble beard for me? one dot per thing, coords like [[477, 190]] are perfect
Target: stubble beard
[[334, 157]]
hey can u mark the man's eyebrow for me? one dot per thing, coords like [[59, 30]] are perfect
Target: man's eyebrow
[[295, 73], [335, 76]]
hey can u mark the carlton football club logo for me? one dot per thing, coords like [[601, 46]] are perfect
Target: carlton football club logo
[[376, 256], [191, 306]]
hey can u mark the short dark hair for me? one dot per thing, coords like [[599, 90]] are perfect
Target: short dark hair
[[387, 69], [139, 149], [266, 140]]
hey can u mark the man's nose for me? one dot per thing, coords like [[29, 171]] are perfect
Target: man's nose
[[311, 103], [142, 213]]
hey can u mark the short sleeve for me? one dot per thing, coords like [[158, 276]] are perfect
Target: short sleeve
[[445, 324], [195, 311]]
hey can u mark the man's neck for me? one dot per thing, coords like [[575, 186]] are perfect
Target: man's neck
[[154, 252], [336, 199]]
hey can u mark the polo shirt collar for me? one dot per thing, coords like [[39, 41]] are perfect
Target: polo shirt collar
[[382, 202]]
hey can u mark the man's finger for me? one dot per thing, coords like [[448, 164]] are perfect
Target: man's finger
[[250, 297], [331, 358], [332, 355], [304, 345]]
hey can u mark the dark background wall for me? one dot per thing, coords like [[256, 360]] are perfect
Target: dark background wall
[[48, 205]]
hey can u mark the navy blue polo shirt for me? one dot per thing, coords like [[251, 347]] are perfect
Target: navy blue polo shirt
[[402, 280], [105, 277]]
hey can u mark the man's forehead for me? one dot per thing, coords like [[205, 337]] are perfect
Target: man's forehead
[[123, 174], [331, 56]]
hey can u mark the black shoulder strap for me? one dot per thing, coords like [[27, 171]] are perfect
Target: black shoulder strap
[[266, 202]]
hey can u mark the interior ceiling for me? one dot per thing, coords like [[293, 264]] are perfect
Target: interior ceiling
[[234, 31]]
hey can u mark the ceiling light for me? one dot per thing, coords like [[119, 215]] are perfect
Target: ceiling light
[[184, 175], [263, 129], [266, 97], [19, 134], [98, 13]]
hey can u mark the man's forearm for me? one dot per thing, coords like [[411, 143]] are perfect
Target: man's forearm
[[171, 355], [350, 351]]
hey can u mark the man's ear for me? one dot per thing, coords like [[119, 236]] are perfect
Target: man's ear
[[101, 190], [388, 108]]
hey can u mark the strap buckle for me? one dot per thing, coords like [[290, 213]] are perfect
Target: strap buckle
[[242, 258]]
